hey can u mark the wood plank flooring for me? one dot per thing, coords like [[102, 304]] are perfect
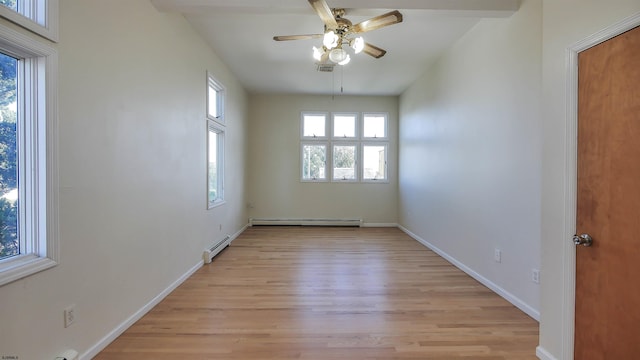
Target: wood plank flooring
[[329, 293]]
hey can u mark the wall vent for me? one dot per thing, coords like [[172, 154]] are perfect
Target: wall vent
[[214, 250], [325, 67]]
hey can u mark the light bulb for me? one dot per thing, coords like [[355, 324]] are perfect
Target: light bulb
[[358, 44], [345, 61], [337, 55], [330, 40], [317, 53]]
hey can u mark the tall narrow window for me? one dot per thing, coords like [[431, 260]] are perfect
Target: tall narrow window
[[215, 142], [314, 162], [374, 158], [28, 156], [215, 174], [10, 243]]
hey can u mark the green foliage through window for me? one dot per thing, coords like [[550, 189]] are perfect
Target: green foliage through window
[[11, 4], [9, 243]]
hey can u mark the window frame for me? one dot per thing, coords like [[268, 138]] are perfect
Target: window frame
[[37, 16], [327, 154], [327, 128], [356, 130], [217, 124], [220, 97], [356, 170], [37, 124], [385, 144], [359, 142], [386, 126]]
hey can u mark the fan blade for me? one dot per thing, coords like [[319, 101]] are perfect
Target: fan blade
[[378, 22], [323, 10], [297, 37], [374, 51]]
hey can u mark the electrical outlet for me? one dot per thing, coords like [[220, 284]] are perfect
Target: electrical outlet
[[497, 255], [69, 315], [535, 276]]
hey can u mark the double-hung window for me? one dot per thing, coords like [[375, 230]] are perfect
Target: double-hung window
[[353, 146], [28, 155], [215, 142]]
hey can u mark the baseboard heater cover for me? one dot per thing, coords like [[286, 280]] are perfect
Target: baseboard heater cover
[[211, 252], [306, 222]]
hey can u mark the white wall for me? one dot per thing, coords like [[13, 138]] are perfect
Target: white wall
[[133, 215], [565, 23], [275, 189], [470, 153]]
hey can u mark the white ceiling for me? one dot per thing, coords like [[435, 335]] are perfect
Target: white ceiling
[[241, 33]]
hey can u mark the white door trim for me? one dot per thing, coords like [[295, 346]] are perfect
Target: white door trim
[[570, 186]]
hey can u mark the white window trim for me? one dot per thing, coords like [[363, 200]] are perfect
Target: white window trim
[[37, 16], [386, 126], [327, 128], [213, 126], [356, 124], [386, 162], [327, 153], [220, 99], [356, 170], [38, 77]]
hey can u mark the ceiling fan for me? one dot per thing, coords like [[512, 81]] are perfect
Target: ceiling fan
[[339, 31]]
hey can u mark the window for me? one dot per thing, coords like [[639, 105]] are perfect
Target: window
[[356, 151], [314, 125], [215, 142], [374, 162], [344, 126], [374, 126], [28, 156], [344, 162], [314, 162], [39, 16], [215, 100]]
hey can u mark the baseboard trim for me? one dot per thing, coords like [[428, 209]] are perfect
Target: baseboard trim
[[543, 354], [484, 281], [95, 349], [235, 235], [379, 225]]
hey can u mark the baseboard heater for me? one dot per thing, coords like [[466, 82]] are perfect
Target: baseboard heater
[[306, 222], [211, 252]]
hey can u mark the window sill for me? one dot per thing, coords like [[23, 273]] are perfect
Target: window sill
[[22, 266], [216, 204]]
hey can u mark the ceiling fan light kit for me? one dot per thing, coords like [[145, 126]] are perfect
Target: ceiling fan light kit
[[339, 31]]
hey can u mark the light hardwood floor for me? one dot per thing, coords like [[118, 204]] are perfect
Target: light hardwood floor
[[329, 293]]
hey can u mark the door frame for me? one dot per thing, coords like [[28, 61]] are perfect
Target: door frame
[[571, 173]]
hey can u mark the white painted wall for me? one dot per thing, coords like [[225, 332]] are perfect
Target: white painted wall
[[275, 189], [565, 23], [133, 215], [470, 153]]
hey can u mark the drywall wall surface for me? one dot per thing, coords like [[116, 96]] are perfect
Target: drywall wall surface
[[470, 153], [132, 159], [275, 187]]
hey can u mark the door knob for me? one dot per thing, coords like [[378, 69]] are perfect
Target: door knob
[[584, 240]]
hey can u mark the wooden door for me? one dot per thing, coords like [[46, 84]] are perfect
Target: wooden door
[[607, 308]]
